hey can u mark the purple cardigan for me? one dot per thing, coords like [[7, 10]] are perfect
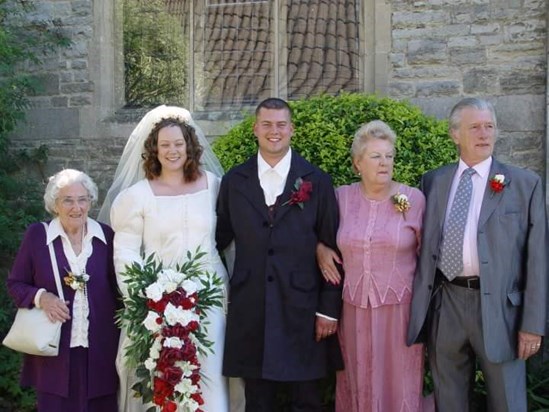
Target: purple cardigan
[[32, 270]]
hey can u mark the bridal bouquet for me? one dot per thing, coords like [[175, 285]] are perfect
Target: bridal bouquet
[[164, 316]]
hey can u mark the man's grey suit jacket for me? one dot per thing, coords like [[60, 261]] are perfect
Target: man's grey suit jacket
[[512, 248]]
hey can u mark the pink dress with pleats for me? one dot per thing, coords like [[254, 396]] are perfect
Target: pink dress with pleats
[[379, 246]]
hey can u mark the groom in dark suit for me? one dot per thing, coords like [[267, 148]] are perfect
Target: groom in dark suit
[[481, 282], [282, 314]]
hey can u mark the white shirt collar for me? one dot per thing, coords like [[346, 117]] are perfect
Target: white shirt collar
[[282, 168], [482, 168], [55, 229]]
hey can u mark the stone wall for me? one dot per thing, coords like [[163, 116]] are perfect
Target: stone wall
[[496, 48], [431, 52]]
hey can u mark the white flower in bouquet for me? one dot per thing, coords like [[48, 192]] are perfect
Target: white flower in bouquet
[[154, 351], [170, 279], [190, 287], [170, 286], [151, 322], [150, 364], [190, 404], [185, 386], [186, 367], [154, 291], [173, 342], [176, 314]]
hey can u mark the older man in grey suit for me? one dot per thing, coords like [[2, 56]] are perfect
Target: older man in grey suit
[[480, 287]]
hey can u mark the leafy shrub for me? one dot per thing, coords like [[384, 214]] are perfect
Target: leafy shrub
[[537, 381], [324, 129]]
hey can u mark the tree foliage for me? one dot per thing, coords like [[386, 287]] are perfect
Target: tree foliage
[[155, 55], [24, 42]]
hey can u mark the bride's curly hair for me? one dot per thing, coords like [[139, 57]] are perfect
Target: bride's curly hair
[[191, 168]]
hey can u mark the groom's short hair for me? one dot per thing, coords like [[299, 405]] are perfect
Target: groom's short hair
[[273, 103]]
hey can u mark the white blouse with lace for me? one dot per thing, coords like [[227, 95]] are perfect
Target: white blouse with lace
[[80, 305]]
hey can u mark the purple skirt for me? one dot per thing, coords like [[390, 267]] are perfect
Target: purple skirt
[[78, 390]]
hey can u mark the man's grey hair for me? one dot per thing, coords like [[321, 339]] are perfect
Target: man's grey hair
[[472, 102]]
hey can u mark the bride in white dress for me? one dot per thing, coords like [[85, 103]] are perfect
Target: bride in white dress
[[165, 203]]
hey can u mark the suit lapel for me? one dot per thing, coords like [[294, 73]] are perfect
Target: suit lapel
[[250, 187], [298, 168], [491, 199], [442, 186]]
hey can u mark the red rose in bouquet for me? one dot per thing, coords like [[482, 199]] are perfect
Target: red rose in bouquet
[[161, 391], [172, 375], [170, 406]]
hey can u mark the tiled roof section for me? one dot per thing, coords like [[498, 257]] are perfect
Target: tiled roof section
[[234, 49], [235, 46], [323, 47]]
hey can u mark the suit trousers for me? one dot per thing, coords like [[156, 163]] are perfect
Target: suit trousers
[[261, 395], [455, 342]]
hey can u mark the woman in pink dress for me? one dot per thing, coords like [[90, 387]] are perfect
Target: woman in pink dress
[[379, 238]]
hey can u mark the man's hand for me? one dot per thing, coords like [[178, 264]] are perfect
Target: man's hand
[[528, 344], [324, 328]]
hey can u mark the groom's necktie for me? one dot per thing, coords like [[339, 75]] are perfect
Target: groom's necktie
[[451, 262]]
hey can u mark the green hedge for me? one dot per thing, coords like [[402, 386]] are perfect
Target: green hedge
[[324, 129]]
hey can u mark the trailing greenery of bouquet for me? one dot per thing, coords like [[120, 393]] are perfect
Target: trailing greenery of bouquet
[[164, 317]]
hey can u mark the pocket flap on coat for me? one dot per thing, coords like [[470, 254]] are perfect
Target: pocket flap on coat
[[515, 298]]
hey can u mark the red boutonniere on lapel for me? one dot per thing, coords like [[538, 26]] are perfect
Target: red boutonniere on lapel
[[498, 183], [301, 194]]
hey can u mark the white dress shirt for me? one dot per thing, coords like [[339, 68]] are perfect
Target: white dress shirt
[[479, 179], [273, 179]]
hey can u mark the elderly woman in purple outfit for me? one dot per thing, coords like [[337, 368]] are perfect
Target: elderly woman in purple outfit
[[83, 376]]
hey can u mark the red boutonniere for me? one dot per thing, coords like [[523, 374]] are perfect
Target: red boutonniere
[[302, 193], [498, 183]]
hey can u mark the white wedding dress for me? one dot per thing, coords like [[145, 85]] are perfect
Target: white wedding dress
[[170, 226]]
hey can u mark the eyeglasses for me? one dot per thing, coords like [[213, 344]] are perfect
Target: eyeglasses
[[389, 157], [81, 201]]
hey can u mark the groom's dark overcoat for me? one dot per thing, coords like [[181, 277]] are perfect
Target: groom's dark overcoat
[[276, 288]]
